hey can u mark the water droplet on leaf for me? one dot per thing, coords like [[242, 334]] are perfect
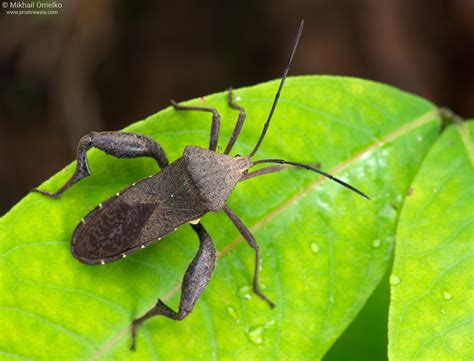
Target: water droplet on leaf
[[233, 313], [245, 292], [255, 335], [447, 296], [394, 280], [376, 243]]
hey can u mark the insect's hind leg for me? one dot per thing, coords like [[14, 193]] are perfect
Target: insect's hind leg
[[252, 243], [216, 121], [195, 280], [117, 144], [238, 125]]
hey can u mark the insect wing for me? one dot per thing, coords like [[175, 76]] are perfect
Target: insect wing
[[137, 217], [111, 231]]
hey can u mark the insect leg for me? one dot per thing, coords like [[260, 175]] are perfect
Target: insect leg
[[216, 121], [238, 125], [262, 171], [252, 243], [195, 280], [267, 170], [117, 144]]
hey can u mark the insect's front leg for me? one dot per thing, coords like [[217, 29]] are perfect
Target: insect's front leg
[[216, 121], [252, 243], [262, 171], [117, 144], [195, 280]]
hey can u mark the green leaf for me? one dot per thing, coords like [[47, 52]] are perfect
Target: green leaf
[[431, 313], [366, 338], [324, 248]]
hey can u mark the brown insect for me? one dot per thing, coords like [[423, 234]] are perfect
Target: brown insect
[[197, 183]]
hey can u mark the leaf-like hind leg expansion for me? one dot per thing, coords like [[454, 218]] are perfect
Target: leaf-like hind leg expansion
[[216, 121], [195, 280], [117, 144], [252, 243], [238, 125]]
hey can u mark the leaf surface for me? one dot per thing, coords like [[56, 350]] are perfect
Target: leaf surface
[[367, 336], [431, 313], [324, 248]]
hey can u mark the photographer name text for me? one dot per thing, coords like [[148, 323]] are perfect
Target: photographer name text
[[34, 5]]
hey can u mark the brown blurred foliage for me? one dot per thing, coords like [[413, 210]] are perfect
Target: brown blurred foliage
[[100, 65]]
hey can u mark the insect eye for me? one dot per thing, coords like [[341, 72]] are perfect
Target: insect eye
[[246, 171]]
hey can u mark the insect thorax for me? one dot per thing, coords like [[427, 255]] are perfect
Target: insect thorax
[[214, 175]]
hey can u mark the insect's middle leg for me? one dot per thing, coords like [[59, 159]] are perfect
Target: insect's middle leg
[[216, 121], [252, 243], [195, 280], [238, 125], [117, 144]]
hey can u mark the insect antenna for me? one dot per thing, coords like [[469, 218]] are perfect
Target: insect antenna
[[281, 161], [277, 96]]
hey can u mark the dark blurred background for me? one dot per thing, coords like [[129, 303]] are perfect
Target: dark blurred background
[[100, 65]]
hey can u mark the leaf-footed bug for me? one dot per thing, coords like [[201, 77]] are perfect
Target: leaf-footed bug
[[197, 183]]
